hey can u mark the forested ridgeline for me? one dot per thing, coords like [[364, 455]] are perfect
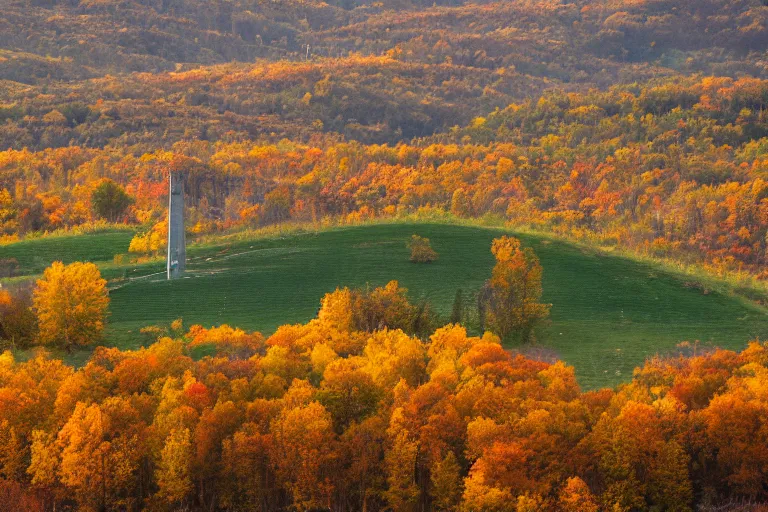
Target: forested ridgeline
[[673, 168], [376, 72], [588, 41], [368, 99], [324, 416]]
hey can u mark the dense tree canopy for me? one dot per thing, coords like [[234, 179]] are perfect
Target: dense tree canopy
[[581, 40], [638, 124], [326, 416]]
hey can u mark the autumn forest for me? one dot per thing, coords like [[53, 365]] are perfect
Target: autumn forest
[[627, 136]]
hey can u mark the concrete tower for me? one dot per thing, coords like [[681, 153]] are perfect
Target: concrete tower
[[177, 245]]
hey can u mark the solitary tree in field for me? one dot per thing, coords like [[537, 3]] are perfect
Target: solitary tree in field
[[421, 250], [110, 200], [513, 292], [71, 304]]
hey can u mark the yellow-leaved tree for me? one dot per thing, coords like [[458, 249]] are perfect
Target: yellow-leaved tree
[[512, 294], [151, 242], [173, 472], [71, 304]]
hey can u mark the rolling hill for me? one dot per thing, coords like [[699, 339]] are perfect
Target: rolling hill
[[608, 315]]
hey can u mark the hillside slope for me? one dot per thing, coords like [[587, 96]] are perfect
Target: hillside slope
[[608, 313]]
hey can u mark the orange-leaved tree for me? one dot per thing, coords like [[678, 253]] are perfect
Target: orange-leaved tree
[[511, 296], [17, 321], [71, 304]]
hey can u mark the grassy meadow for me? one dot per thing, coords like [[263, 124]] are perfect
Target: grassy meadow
[[35, 254], [609, 313]]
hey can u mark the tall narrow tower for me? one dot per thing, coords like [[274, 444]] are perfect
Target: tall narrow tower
[[177, 245]]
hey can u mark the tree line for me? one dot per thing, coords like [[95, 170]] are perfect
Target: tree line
[[344, 413], [670, 168]]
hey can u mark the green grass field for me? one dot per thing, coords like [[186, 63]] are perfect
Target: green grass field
[[36, 254], [608, 313]]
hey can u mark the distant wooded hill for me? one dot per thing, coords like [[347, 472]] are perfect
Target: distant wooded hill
[[581, 41]]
